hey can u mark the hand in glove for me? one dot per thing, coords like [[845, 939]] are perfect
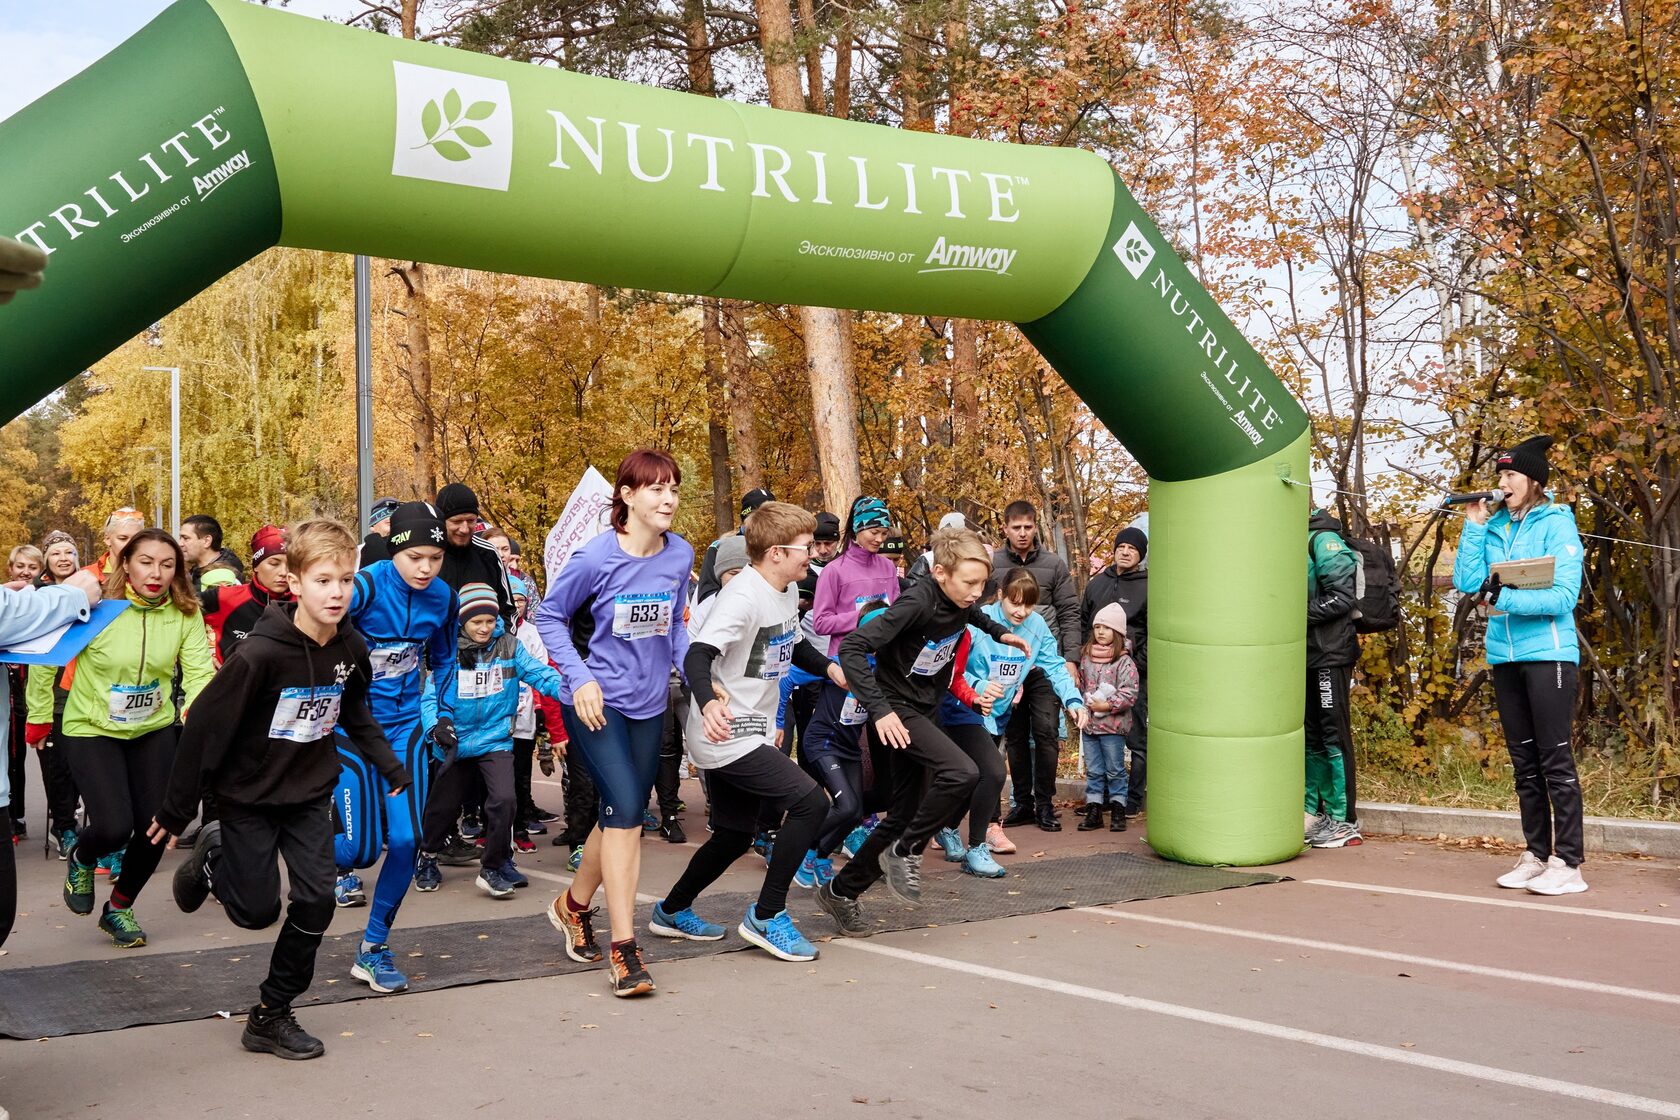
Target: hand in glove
[[443, 734], [1490, 588], [545, 757]]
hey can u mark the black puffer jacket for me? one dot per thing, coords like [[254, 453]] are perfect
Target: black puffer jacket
[[1131, 591]]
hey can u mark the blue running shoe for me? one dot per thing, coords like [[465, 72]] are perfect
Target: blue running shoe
[[979, 862], [854, 840], [427, 877], [471, 828], [111, 864], [685, 924], [650, 823], [377, 970], [762, 844], [575, 860], [779, 937], [952, 845], [348, 890], [825, 871], [806, 876], [510, 871], [495, 884]]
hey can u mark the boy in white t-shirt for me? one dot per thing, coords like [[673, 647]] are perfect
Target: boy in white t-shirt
[[750, 639]]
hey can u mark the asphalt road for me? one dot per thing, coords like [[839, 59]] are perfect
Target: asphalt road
[[1389, 980]]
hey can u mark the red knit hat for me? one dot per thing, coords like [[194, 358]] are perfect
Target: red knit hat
[[266, 542]]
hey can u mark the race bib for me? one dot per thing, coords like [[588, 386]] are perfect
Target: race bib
[[394, 660], [306, 715], [851, 712], [643, 616], [935, 656], [479, 684], [1006, 671], [134, 703], [778, 656]]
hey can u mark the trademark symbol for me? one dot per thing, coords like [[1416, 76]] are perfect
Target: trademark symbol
[[219, 111], [1021, 181]]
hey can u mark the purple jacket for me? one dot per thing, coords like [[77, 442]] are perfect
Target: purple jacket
[[845, 584]]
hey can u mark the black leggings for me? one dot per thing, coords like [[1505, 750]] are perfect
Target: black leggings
[[930, 779], [739, 793], [1537, 710], [843, 778], [977, 743], [122, 783]]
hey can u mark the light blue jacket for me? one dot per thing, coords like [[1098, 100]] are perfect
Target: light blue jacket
[[989, 658], [25, 615], [1538, 625], [483, 688]]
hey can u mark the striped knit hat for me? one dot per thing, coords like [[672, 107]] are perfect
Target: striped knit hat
[[477, 599]]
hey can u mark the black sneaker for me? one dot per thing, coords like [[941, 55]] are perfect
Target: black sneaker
[[192, 878], [1117, 813], [1093, 818], [1021, 814], [533, 826], [276, 1031], [629, 977], [544, 815], [671, 828], [846, 912], [460, 852]]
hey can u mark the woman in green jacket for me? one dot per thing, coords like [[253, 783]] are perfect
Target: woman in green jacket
[[120, 721]]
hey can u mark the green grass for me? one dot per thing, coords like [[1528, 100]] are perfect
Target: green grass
[[1461, 783]]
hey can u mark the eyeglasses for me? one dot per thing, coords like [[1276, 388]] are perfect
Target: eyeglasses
[[801, 547]]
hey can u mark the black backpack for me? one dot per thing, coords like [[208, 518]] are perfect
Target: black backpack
[[1376, 586]]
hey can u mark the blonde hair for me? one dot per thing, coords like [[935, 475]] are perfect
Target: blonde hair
[[310, 542], [953, 546], [773, 524], [28, 552]]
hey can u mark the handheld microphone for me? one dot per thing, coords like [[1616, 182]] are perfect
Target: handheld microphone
[[1494, 498]]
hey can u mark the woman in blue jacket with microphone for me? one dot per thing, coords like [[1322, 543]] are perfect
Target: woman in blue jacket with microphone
[[1533, 654]]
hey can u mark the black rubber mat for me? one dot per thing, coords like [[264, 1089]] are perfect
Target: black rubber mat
[[84, 997]]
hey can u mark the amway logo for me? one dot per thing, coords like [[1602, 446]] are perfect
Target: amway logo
[[1134, 251], [452, 127], [207, 183], [945, 257]]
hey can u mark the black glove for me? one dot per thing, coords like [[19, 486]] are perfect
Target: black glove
[[1490, 588], [443, 734], [545, 756]]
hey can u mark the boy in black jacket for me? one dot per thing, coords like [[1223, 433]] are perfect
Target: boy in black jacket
[[913, 643], [264, 746]]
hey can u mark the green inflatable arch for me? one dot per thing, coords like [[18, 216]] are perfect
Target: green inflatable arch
[[224, 128]]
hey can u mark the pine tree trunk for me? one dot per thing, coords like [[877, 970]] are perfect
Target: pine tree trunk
[[828, 359], [747, 463], [423, 483], [717, 415]]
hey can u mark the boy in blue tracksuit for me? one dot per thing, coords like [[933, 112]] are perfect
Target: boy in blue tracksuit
[[483, 690], [407, 616]]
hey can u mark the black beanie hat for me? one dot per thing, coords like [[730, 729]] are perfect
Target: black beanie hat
[[1529, 457], [456, 498], [752, 499], [1135, 537], [415, 525]]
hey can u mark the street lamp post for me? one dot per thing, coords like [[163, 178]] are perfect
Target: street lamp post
[[364, 391], [174, 373]]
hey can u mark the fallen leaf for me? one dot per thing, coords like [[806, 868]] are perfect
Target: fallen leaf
[[1408, 1045], [860, 1100], [993, 1006], [589, 1026], [1578, 1050], [347, 1034], [484, 937], [424, 1034], [1141, 946]]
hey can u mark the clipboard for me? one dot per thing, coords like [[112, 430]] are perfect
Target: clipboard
[[1526, 575], [60, 647]]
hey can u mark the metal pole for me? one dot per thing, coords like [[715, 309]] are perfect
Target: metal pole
[[364, 392], [174, 373]]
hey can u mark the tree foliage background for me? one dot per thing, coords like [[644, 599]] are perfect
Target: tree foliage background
[[1447, 224]]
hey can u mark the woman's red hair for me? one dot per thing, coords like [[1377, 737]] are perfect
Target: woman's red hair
[[641, 468]]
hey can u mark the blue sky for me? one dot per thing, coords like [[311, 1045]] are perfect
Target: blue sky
[[50, 41]]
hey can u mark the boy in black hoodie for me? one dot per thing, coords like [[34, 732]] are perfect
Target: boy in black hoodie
[[265, 748], [913, 643]]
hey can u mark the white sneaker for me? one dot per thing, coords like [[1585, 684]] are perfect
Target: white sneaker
[[1528, 868], [1558, 878]]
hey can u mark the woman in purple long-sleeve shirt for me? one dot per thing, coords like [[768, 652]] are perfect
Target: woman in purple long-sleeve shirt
[[858, 575], [613, 620]]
